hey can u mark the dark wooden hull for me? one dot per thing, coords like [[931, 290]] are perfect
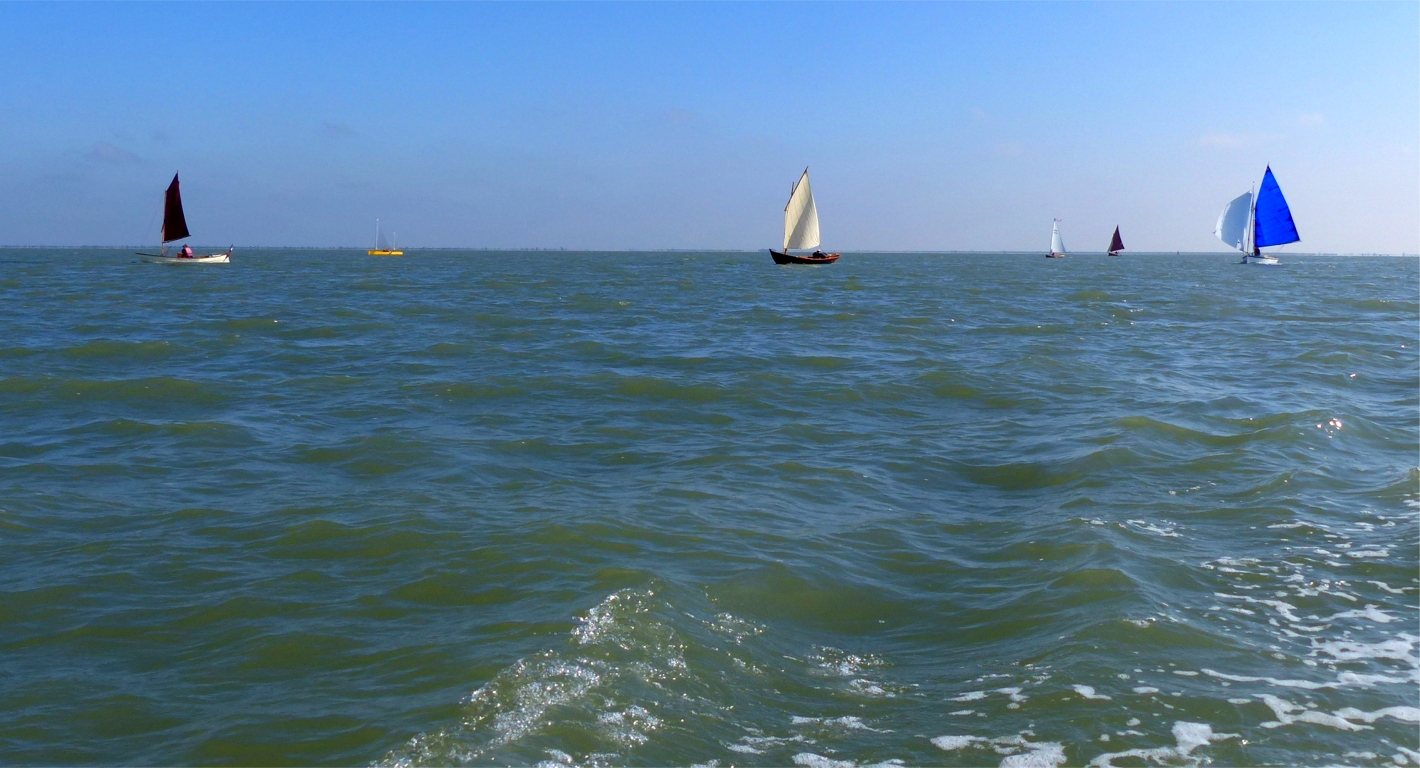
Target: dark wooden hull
[[1054, 255], [789, 258]]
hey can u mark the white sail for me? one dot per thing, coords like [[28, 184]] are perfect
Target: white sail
[[801, 217], [1057, 245], [1232, 222]]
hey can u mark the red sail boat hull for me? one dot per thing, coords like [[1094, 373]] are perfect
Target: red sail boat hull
[[789, 258]]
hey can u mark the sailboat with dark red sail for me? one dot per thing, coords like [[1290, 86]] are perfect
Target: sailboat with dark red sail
[[801, 227], [175, 228], [1115, 244]]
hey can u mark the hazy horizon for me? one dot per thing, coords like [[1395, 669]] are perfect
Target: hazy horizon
[[926, 128]]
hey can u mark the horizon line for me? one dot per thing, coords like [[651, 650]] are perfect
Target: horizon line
[[487, 249]]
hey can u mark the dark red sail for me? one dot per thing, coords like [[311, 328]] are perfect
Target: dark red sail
[[1116, 244], [174, 225]]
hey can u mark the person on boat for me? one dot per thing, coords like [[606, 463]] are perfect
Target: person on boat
[[819, 254], [186, 252]]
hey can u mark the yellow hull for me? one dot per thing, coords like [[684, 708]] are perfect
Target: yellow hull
[[385, 253]]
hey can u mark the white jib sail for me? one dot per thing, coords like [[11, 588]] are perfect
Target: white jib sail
[[1232, 222], [801, 217], [1057, 245]]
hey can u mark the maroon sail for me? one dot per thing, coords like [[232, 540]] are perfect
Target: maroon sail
[[174, 225], [1116, 244]]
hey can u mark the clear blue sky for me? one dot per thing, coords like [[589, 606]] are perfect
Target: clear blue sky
[[925, 126]]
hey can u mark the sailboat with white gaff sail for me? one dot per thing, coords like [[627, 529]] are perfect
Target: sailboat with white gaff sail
[[801, 227], [1057, 244], [175, 228], [1250, 223]]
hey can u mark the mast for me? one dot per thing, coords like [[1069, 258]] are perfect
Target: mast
[[1251, 249]]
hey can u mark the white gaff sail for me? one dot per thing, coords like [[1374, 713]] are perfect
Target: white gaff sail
[[801, 217], [1232, 222], [1057, 245]]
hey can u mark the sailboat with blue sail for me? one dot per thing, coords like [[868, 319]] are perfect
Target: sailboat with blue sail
[[1250, 223]]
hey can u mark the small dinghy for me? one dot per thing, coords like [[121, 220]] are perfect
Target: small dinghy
[[1115, 244], [175, 228], [801, 227], [1057, 245], [1249, 224]]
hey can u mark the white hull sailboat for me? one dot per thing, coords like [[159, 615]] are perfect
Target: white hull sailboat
[[801, 227], [1057, 244], [1250, 223], [175, 228]]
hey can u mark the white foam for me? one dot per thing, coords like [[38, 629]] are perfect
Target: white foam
[[1045, 755], [1343, 680], [1387, 587], [811, 760], [1404, 714], [1188, 737], [865, 687], [848, 722], [972, 696], [1019, 752], [950, 743], [1283, 709], [1087, 692], [1369, 612], [1151, 528], [1400, 648], [1145, 689]]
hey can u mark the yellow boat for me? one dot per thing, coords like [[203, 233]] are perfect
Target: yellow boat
[[380, 248]]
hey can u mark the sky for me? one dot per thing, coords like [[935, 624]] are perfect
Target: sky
[[955, 126]]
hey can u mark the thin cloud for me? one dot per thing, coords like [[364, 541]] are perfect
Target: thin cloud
[[336, 129], [111, 154], [1010, 149], [980, 114], [1311, 119]]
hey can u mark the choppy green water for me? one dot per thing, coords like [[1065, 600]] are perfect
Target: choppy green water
[[319, 508]]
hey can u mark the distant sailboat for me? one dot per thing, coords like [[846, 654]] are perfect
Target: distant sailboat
[[1115, 244], [175, 228], [381, 247], [1249, 224], [801, 227], [1057, 245]]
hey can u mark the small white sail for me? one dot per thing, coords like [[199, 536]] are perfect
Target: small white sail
[[1232, 222], [1057, 245], [801, 216]]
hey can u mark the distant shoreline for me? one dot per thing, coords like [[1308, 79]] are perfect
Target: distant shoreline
[[413, 249]]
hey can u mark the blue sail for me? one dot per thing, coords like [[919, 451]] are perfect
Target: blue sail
[[1273, 224]]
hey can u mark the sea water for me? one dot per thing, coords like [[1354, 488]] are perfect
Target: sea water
[[693, 508]]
